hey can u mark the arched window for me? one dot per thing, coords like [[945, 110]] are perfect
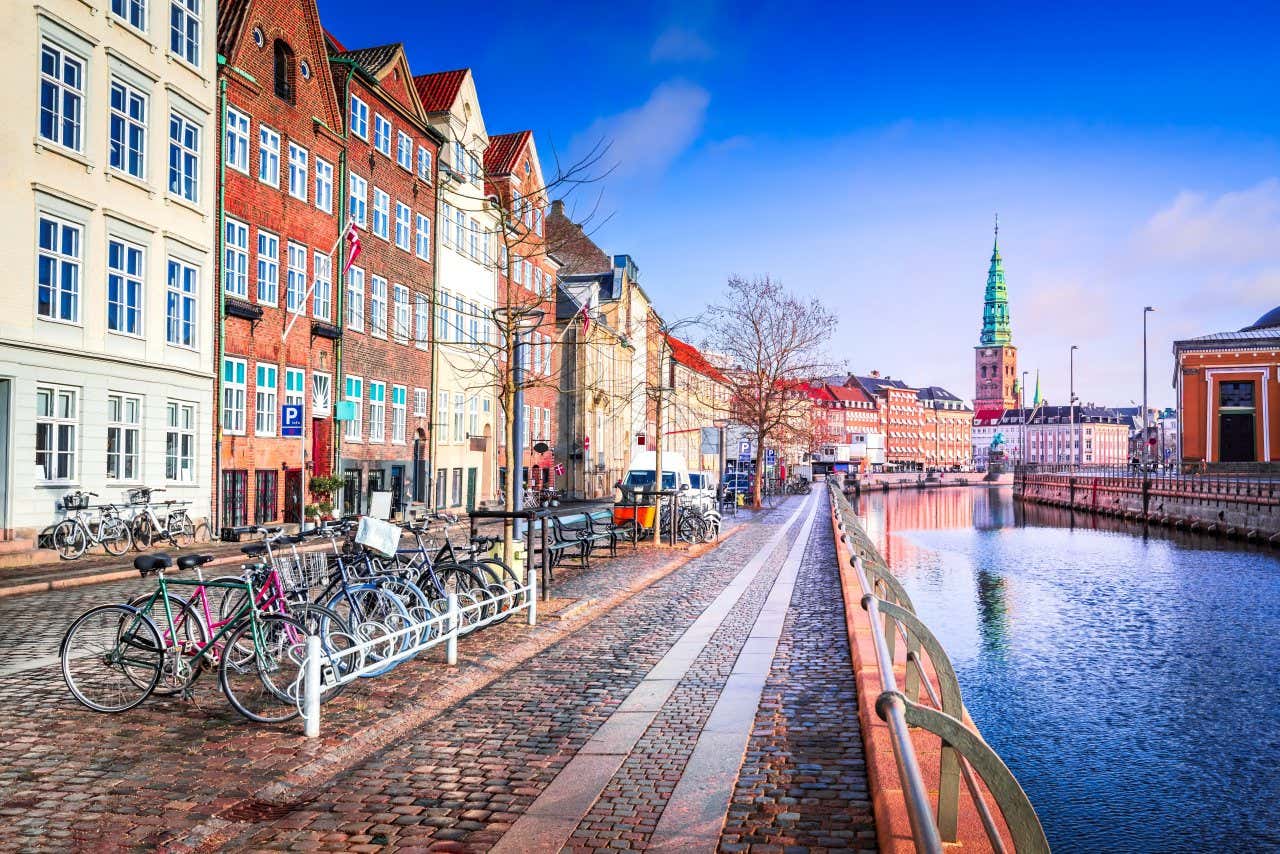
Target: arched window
[[284, 71]]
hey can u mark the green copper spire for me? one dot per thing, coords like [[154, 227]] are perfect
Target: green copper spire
[[995, 311]]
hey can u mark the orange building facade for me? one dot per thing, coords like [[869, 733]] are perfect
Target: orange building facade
[[1228, 391]]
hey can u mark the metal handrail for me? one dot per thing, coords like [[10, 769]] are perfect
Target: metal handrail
[[962, 749]]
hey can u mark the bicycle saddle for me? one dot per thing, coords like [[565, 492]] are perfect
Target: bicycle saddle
[[293, 538], [192, 561], [147, 564], [254, 549]]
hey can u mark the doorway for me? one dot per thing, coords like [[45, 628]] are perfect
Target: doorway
[[293, 496], [397, 490], [1236, 441], [471, 489]]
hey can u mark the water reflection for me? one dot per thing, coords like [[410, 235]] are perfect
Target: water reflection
[[1094, 657]]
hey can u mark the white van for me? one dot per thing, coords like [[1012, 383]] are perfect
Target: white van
[[640, 471]]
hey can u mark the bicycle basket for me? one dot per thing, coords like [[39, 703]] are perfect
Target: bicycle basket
[[75, 501], [140, 495], [307, 570]]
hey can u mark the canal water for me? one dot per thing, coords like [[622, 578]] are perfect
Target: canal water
[[1129, 680]]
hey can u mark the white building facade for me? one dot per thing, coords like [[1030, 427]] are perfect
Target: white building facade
[[106, 323]]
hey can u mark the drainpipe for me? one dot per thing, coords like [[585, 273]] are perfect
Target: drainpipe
[[432, 409], [339, 382], [220, 248]]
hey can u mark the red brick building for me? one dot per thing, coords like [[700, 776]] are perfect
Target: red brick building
[[384, 361], [280, 148], [527, 281]]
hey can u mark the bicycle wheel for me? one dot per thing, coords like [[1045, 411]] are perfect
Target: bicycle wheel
[[372, 613], [261, 675], [499, 582], [181, 642], [69, 539], [143, 532], [111, 658], [335, 639], [469, 587], [184, 531], [115, 536], [201, 533]]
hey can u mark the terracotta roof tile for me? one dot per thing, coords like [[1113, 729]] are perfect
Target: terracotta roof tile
[[500, 156], [231, 18], [438, 91], [372, 59], [688, 355]]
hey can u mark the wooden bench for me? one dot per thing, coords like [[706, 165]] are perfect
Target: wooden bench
[[602, 523], [562, 541], [578, 525]]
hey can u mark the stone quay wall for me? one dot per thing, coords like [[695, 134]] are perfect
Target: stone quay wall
[[1237, 507]]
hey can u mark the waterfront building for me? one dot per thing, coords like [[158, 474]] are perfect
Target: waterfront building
[[1228, 394], [1060, 435], [527, 271], [948, 429], [106, 318], [463, 374], [280, 152], [995, 358], [699, 395], [385, 362], [847, 429]]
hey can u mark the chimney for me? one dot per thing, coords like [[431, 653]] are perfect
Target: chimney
[[875, 374], [557, 208]]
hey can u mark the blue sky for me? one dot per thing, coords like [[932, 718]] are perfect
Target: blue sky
[[858, 153]]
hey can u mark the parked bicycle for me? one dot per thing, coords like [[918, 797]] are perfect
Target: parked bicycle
[[166, 520], [82, 529]]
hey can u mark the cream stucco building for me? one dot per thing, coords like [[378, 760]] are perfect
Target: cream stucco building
[[106, 318]]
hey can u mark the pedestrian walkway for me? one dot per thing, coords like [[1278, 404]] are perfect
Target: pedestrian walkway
[[689, 705]]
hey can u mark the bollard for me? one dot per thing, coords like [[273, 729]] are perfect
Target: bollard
[[311, 688], [533, 596], [451, 646]]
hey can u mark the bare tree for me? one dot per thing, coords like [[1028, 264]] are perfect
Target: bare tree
[[772, 343]]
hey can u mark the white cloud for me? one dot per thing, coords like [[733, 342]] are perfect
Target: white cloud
[[1239, 227], [677, 44], [649, 137]]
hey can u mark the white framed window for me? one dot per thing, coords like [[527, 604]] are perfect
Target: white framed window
[[324, 185], [184, 30], [378, 307], [382, 136], [421, 316], [420, 403], [537, 222], [127, 130], [59, 263], [124, 437], [235, 264], [447, 215], [528, 428], [403, 227], [377, 412], [353, 430], [268, 156], [132, 12], [358, 200], [57, 425], [184, 157], [61, 96], [403, 326], [321, 393], [265, 396], [422, 237], [476, 254], [404, 150], [546, 424], [473, 416], [459, 401], [268, 268], [298, 157], [125, 267], [459, 319], [424, 164], [473, 323], [444, 316], [236, 144], [355, 299], [295, 384], [442, 415], [233, 396], [398, 413], [460, 231], [322, 295], [359, 118], [295, 289], [381, 214], [180, 442], [182, 285]]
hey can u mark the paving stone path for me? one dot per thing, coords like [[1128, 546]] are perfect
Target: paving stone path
[[484, 741]]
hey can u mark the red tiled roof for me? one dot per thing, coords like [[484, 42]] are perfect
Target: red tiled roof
[[438, 91], [231, 16], [688, 355], [337, 45], [988, 414], [844, 392], [500, 156]]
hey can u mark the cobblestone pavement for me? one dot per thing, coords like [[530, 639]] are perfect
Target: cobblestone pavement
[[803, 782], [445, 758]]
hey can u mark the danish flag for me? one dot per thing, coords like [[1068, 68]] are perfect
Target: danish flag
[[586, 319], [353, 246]]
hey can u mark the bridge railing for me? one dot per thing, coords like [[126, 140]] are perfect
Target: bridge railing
[[961, 752]]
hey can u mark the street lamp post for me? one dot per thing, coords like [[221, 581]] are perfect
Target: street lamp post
[[720, 424], [1071, 405], [520, 320], [1146, 454], [1022, 404]]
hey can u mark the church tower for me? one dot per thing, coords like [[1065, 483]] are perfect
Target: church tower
[[995, 372]]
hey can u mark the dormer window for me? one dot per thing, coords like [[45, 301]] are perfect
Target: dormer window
[[284, 71]]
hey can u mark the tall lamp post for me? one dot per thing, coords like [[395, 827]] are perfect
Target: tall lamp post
[[720, 424], [1146, 454], [1071, 404], [520, 321], [1022, 404]]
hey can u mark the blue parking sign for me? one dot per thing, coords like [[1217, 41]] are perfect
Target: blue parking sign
[[291, 420], [770, 456], [744, 450]]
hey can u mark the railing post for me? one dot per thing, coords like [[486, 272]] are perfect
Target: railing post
[[311, 688], [451, 646], [533, 595]]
